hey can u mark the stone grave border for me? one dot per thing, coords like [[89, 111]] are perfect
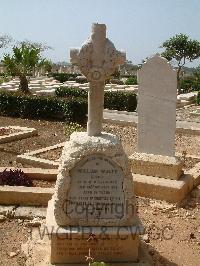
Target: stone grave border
[[175, 190], [24, 132], [32, 159], [157, 188], [26, 196]]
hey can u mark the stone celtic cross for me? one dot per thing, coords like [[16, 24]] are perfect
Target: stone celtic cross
[[97, 59]]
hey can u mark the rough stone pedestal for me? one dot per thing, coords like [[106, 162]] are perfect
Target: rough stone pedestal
[[93, 196]]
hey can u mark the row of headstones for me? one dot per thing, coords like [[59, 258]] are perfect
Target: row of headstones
[[34, 84], [47, 86]]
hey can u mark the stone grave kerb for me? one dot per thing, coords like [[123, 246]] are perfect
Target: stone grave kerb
[[97, 60]]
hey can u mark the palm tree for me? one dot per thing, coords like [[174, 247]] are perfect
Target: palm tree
[[25, 60]]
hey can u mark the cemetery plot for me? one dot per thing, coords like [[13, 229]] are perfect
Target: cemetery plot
[[170, 230], [12, 133], [47, 157], [26, 186]]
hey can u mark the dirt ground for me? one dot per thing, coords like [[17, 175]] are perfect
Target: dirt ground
[[172, 232], [51, 133], [12, 235], [183, 143], [186, 114]]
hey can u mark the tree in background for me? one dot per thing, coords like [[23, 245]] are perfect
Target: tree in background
[[26, 59], [197, 73], [5, 40], [132, 80], [197, 79], [41, 46], [47, 64], [129, 68], [181, 48]]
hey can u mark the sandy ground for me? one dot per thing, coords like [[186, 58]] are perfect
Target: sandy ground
[[51, 133], [186, 114], [173, 232]]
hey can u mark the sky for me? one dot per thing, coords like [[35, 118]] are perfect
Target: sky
[[138, 27]]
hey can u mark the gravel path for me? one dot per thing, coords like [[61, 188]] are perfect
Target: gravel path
[[185, 114]]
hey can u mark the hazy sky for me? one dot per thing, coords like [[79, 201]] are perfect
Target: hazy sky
[[136, 26]]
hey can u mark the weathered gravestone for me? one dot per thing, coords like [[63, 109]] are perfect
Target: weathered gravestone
[[94, 190], [97, 60], [155, 160], [157, 96]]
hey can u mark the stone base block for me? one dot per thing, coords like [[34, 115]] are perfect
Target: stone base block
[[161, 188], [26, 196], [156, 165], [109, 244], [195, 173], [116, 244], [38, 253]]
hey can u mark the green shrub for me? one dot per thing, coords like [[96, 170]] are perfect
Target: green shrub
[[69, 92], [4, 78], [72, 127], [131, 80], [62, 77], [121, 101], [186, 84], [114, 100], [189, 84], [196, 85], [198, 97], [72, 109], [75, 110]]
